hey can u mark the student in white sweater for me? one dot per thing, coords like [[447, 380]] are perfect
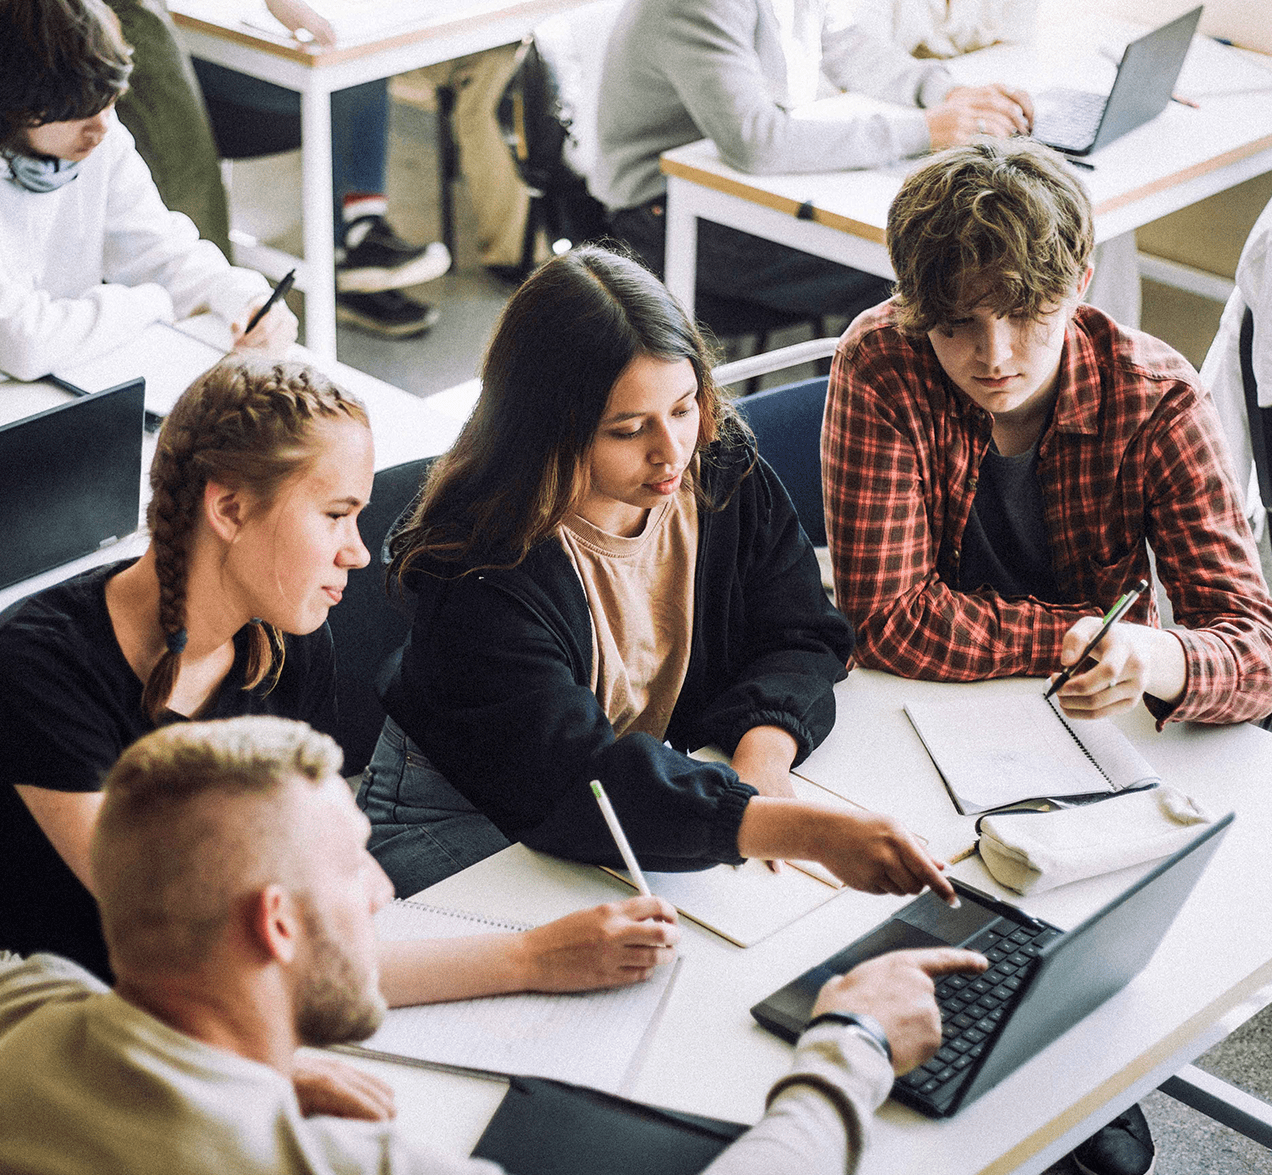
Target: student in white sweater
[[89, 255]]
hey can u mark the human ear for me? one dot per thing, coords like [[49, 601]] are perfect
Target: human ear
[[225, 510], [1084, 281], [275, 923]]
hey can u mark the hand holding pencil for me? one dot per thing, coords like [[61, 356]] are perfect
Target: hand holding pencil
[[1110, 666]]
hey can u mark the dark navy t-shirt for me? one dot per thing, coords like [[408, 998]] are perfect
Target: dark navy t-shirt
[[71, 705]]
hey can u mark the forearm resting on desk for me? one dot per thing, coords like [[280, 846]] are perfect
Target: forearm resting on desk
[[607, 946]]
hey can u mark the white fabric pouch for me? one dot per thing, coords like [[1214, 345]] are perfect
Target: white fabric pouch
[[1034, 851]]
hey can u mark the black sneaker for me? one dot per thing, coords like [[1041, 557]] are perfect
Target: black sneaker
[[375, 258], [388, 313], [1123, 1147]]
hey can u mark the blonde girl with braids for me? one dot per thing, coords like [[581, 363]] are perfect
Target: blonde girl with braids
[[259, 476]]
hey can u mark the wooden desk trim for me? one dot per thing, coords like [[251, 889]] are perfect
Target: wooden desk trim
[[732, 187], [1182, 177], [1138, 1069], [316, 57]]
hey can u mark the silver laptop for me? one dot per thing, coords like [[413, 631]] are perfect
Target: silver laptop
[[1078, 121], [70, 480]]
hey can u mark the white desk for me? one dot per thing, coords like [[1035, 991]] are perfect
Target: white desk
[[404, 428], [1180, 157], [709, 1057], [215, 31]]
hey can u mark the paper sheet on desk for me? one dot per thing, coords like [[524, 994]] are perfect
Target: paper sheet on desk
[[169, 358], [588, 1038], [359, 21]]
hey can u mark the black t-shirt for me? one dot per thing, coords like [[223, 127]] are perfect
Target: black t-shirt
[[1005, 544], [71, 705]]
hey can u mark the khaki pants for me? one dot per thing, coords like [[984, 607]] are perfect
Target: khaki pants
[[499, 198]]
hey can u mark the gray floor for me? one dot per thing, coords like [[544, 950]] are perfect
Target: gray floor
[[470, 301]]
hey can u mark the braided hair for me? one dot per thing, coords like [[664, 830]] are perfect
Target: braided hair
[[248, 424]]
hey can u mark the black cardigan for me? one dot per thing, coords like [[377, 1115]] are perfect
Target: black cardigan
[[493, 685]]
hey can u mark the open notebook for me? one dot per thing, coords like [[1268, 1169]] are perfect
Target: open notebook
[[993, 752], [588, 1038], [747, 903]]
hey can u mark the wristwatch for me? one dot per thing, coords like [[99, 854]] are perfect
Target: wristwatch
[[868, 1024]]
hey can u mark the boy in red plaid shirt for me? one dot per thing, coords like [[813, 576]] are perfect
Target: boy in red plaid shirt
[[998, 459]]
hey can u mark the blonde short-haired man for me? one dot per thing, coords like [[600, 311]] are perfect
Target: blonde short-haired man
[[237, 897]]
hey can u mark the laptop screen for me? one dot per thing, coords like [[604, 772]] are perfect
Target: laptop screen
[[70, 479]]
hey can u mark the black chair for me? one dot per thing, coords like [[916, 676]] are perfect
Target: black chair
[[1260, 418], [787, 424], [371, 623]]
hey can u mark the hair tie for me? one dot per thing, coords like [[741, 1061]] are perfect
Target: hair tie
[[177, 642], [257, 621]]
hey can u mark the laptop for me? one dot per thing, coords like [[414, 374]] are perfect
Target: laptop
[[70, 479], [1078, 121], [1042, 980]]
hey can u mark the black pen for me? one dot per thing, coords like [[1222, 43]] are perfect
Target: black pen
[[1082, 163], [280, 292], [1111, 617]]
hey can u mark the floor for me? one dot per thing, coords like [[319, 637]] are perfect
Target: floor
[[470, 300]]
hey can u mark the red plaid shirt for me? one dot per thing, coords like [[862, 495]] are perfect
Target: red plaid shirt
[[1132, 458]]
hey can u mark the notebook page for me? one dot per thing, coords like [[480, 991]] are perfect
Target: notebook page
[[993, 752], [745, 903], [589, 1038], [169, 358], [1114, 752]]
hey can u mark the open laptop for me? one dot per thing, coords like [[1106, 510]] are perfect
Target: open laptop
[[1042, 980], [1078, 121], [70, 480]]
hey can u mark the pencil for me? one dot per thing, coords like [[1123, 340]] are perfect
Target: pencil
[[620, 837]]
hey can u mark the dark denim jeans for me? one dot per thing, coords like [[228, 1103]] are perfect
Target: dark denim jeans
[[422, 829]]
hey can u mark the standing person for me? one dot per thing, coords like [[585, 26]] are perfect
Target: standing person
[[257, 481], [997, 461], [735, 71], [237, 896], [607, 577], [89, 256]]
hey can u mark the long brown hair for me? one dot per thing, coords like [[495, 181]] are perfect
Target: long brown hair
[[520, 464], [246, 424]]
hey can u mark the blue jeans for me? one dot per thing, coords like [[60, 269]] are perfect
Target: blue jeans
[[359, 125], [422, 829]]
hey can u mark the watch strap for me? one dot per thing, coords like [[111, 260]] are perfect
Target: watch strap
[[868, 1024]]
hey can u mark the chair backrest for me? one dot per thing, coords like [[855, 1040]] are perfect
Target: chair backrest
[[1260, 418], [548, 115], [371, 623], [787, 425]]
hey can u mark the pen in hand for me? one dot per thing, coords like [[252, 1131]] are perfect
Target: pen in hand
[[1111, 617], [280, 292], [620, 837]]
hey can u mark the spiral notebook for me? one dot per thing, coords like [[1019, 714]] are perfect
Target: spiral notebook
[[993, 752], [588, 1038]]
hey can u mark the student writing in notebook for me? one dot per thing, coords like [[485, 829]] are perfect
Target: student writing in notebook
[[89, 255], [237, 899], [606, 577], [998, 459], [257, 482]]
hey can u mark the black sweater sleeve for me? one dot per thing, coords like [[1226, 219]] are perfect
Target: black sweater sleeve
[[769, 646], [494, 689]]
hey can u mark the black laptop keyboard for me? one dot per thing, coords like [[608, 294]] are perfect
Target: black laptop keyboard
[[1071, 118], [974, 1006]]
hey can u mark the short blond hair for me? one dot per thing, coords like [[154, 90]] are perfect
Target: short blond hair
[[997, 222], [192, 820]]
